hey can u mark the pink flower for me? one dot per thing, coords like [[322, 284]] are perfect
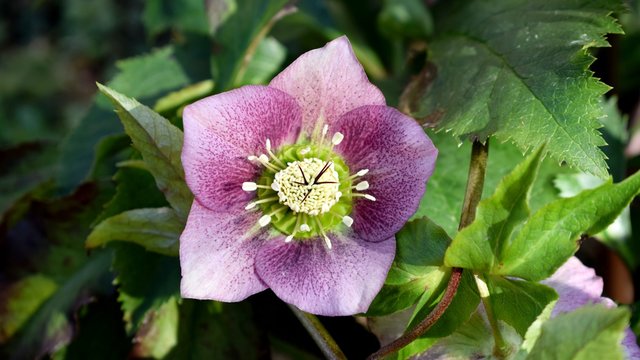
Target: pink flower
[[300, 186]]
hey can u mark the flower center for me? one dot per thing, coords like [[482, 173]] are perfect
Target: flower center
[[310, 186], [305, 190]]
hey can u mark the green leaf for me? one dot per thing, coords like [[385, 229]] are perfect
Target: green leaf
[[265, 63], [442, 201], [143, 290], [212, 330], [149, 75], [479, 246], [417, 269], [463, 305], [506, 92], [239, 36], [21, 301], [618, 234], [517, 302], [550, 236], [156, 229], [160, 144], [143, 77], [158, 334], [591, 332], [50, 326], [181, 97]]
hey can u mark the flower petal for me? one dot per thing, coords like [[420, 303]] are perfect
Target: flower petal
[[327, 83], [400, 158], [576, 284], [333, 282], [222, 130], [217, 252]]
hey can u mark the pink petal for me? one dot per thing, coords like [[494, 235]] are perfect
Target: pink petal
[[221, 131], [327, 83], [400, 158], [578, 285], [217, 252], [340, 281]]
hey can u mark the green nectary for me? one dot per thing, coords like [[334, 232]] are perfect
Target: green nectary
[[286, 220]]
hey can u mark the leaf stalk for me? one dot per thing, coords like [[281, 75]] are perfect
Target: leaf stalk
[[320, 335]]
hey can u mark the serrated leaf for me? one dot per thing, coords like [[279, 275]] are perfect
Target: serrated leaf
[[480, 245], [160, 144], [155, 229], [518, 303], [506, 92], [417, 269], [149, 74], [551, 235], [591, 332], [143, 289], [238, 38]]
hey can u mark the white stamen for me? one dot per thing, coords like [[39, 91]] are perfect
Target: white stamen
[[327, 241], [369, 197], [268, 145], [288, 239], [250, 206], [252, 158], [263, 158], [325, 130], [362, 172], [363, 185], [347, 220], [305, 228], [264, 220], [275, 186], [305, 150], [337, 138], [249, 186]]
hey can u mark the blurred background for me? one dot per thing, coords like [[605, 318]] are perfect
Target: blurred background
[[60, 146]]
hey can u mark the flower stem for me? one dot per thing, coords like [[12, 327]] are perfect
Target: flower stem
[[500, 344], [320, 335], [475, 183]]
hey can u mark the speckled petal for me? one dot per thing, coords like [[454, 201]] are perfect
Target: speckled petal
[[217, 253], [336, 282], [327, 83], [220, 131], [400, 158]]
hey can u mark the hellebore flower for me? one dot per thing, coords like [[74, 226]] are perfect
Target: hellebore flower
[[300, 186]]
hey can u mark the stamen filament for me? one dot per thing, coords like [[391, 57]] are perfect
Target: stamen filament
[[363, 185], [324, 235], [266, 219], [295, 229], [253, 204], [366, 196], [273, 156]]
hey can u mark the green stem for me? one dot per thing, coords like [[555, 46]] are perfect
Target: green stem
[[500, 344], [320, 335], [475, 183]]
